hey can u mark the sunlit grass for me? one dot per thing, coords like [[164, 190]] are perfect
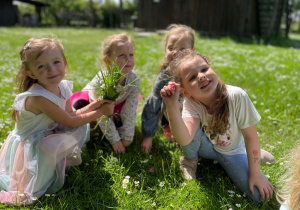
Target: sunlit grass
[[269, 74]]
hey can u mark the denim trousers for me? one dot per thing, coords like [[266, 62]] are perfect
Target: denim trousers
[[236, 166]]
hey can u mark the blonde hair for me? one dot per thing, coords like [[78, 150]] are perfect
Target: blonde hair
[[290, 191], [110, 41], [181, 30], [32, 50], [220, 119]]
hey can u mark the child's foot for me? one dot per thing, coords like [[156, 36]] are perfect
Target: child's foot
[[188, 167], [266, 158]]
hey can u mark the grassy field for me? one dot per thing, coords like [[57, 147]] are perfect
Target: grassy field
[[269, 74]]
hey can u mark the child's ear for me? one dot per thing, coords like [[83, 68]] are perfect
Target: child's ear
[[30, 74], [185, 93]]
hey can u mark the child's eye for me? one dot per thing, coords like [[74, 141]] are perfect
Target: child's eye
[[192, 78], [56, 62], [41, 66], [204, 70], [121, 56], [181, 49], [170, 48], [131, 55]]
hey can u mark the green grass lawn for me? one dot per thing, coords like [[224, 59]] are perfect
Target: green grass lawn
[[268, 73]]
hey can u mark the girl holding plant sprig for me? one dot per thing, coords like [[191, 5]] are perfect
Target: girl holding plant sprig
[[48, 134], [118, 55]]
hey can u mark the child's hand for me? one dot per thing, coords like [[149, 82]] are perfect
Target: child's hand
[[146, 145], [264, 187], [107, 107], [170, 93], [126, 143], [118, 148]]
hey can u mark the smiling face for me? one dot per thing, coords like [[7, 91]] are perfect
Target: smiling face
[[175, 44], [48, 69], [125, 56], [198, 80]]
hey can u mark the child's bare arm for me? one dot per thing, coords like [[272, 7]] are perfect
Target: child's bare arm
[[183, 130], [253, 153], [59, 115]]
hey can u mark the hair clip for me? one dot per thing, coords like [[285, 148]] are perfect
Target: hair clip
[[27, 46]]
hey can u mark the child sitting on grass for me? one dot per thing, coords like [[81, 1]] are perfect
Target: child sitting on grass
[[48, 134], [217, 122], [120, 131]]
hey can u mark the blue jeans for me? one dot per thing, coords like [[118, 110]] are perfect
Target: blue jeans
[[236, 166]]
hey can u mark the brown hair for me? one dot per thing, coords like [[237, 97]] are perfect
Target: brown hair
[[220, 118], [110, 41], [31, 51], [178, 29], [291, 179]]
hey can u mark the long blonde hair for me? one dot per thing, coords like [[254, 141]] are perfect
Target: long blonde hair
[[290, 191], [110, 41], [31, 51], [220, 119], [184, 32]]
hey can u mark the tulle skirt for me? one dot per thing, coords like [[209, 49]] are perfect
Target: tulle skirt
[[36, 166]]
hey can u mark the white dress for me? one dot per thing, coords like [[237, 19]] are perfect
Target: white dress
[[34, 156]]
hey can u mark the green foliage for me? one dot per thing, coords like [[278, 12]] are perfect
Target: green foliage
[[269, 74]]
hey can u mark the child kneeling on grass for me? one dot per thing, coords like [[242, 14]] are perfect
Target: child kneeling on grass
[[217, 122]]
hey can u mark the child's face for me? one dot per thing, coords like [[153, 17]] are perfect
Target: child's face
[[197, 79], [48, 69], [125, 56], [175, 44]]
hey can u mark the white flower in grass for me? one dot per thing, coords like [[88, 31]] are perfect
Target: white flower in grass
[[87, 164], [144, 161], [244, 195], [161, 184], [278, 142], [183, 183], [123, 167], [125, 181], [238, 195], [53, 195], [268, 176], [136, 183], [272, 147], [268, 163], [281, 163], [215, 162], [124, 186], [238, 205], [231, 191], [21, 194], [231, 195], [127, 177], [47, 195], [34, 198], [150, 156], [230, 209], [128, 192], [114, 159]]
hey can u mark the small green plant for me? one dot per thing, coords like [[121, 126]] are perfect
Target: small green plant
[[109, 78]]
